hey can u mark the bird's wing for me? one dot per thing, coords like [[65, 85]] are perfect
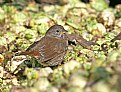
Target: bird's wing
[[52, 47], [47, 48]]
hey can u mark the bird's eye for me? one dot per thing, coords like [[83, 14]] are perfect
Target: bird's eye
[[57, 30]]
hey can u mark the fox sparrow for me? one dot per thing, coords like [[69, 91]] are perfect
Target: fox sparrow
[[51, 49]]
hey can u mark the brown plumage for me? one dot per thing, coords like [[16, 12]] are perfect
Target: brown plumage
[[51, 49]]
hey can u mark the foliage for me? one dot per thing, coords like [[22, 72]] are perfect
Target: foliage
[[85, 70]]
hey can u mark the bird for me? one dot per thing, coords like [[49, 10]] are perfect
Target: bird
[[50, 50]]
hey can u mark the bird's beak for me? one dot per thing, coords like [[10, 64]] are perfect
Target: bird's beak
[[66, 31], [63, 32]]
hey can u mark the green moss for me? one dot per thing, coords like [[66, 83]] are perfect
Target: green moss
[[99, 5], [23, 22]]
